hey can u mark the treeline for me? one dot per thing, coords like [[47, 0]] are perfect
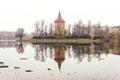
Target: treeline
[[77, 30], [13, 35], [7, 35]]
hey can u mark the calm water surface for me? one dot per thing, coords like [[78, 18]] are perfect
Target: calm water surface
[[59, 62]]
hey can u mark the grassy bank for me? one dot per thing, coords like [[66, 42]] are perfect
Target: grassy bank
[[74, 41]]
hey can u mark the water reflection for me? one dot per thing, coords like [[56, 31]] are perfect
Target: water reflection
[[59, 55], [77, 51], [60, 60], [90, 52], [20, 48], [41, 52], [8, 44]]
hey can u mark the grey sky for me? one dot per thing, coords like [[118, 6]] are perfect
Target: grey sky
[[24, 13]]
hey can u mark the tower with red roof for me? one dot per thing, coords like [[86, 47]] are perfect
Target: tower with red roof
[[59, 25]]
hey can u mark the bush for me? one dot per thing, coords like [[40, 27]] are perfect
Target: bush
[[48, 37], [66, 37], [85, 37], [76, 37], [97, 37]]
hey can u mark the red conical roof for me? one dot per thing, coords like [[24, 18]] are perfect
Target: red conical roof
[[59, 19]]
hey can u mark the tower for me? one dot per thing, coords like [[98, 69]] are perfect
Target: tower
[[59, 26]]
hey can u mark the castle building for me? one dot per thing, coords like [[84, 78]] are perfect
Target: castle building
[[59, 26]]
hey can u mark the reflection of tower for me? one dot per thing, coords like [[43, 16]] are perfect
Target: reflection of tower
[[59, 55], [59, 26]]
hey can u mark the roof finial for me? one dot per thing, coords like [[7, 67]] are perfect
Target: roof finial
[[59, 15]]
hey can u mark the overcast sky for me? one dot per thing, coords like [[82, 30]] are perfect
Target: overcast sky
[[24, 13]]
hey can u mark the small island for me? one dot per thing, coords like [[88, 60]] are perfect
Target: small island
[[79, 33]]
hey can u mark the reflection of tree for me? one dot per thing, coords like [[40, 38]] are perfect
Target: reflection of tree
[[37, 52], [42, 52], [115, 48], [69, 54], [78, 52], [39, 49], [20, 48], [81, 52], [7, 44], [51, 52]]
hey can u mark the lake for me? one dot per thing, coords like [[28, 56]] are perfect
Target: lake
[[24, 61]]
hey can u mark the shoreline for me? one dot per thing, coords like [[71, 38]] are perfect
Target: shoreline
[[64, 41]]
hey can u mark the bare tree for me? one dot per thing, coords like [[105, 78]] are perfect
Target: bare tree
[[20, 33], [37, 30], [79, 29], [41, 28], [43, 25], [69, 27], [97, 30], [51, 29], [89, 27], [45, 32], [106, 34]]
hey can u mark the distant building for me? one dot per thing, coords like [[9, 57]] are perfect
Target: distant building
[[115, 29], [59, 26]]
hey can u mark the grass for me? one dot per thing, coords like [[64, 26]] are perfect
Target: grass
[[74, 41]]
